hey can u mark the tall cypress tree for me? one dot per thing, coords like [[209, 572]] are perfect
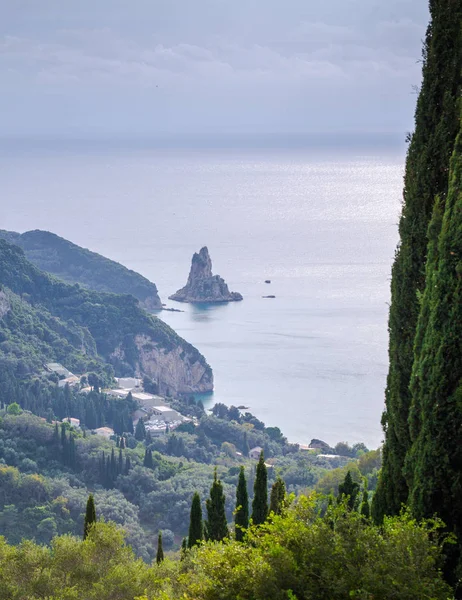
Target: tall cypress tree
[[348, 490], [90, 516], [260, 493], [277, 496], [426, 178], [120, 465], [216, 526], [241, 516], [365, 508], [140, 430], [434, 464], [196, 526], [160, 550]]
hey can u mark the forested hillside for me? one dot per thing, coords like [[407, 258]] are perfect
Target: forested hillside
[[48, 319], [74, 264], [423, 417]]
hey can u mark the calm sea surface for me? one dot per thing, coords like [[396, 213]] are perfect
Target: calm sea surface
[[318, 219]]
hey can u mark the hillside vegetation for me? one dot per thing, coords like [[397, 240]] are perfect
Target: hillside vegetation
[[74, 264], [47, 319], [423, 417]]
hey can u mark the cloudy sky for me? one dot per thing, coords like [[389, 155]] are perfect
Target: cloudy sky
[[160, 66]]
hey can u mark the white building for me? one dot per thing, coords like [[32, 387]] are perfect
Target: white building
[[106, 432], [166, 413], [255, 452], [129, 383], [73, 422], [72, 381]]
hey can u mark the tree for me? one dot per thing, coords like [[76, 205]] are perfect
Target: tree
[[93, 381], [184, 548], [277, 496], [196, 527], [365, 508], [426, 179], [90, 516], [348, 492], [241, 515], [14, 409], [245, 445], [216, 526], [433, 464], [260, 493], [160, 551], [148, 462], [140, 431]]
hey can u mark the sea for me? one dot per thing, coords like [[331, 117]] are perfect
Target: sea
[[315, 214]]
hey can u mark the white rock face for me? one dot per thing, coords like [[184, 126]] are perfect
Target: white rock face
[[4, 304], [202, 285], [175, 371]]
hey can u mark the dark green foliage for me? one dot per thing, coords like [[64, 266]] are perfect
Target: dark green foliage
[[184, 548], [260, 493], [148, 461], [196, 526], [436, 126], [74, 264], [277, 496], [160, 550], [241, 516], [140, 431], [365, 508], [434, 463], [73, 319], [90, 516], [216, 527], [348, 492]]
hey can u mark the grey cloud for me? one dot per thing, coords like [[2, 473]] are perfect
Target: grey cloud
[[266, 65]]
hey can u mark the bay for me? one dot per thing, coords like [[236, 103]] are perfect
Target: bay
[[317, 216]]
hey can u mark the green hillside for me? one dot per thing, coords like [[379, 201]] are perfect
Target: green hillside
[[113, 325], [74, 264]]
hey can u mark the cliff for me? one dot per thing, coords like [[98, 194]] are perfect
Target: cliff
[[74, 264], [202, 285], [89, 330]]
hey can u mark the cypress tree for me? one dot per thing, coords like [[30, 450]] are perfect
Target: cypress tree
[[127, 465], [260, 493], [160, 550], [241, 516], [348, 490], [434, 462], [245, 445], [140, 431], [426, 178], [120, 463], [196, 527], [216, 526], [72, 458], [113, 468], [148, 462], [184, 548], [365, 508], [90, 516], [277, 496], [56, 434]]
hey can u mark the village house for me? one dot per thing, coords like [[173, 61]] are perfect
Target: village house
[[254, 453]]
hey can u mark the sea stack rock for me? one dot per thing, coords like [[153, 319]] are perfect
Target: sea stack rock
[[202, 285]]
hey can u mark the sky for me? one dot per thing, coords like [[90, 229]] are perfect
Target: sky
[[145, 67]]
